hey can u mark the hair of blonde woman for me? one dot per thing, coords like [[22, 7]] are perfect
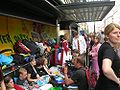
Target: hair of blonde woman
[[66, 36], [21, 70], [109, 28]]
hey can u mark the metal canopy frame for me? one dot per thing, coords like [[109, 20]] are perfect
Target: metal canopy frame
[[86, 11], [50, 10], [35, 10]]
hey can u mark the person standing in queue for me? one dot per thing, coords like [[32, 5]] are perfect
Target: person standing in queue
[[108, 60]]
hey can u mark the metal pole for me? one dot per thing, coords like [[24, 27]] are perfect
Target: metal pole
[[58, 28], [94, 28]]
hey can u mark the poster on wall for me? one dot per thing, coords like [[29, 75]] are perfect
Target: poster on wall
[[45, 31], [13, 29]]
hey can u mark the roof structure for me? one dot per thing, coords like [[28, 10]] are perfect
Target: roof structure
[[86, 10], [49, 11]]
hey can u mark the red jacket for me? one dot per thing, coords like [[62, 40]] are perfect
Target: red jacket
[[18, 87]]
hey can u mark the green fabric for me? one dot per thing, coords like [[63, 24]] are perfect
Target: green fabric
[[55, 88]]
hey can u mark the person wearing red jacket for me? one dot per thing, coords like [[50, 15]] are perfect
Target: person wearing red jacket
[[10, 85], [65, 49]]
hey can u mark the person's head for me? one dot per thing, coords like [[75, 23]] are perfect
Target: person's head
[[79, 61], [112, 33], [91, 36], [66, 36], [75, 53], [32, 61], [76, 34], [9, 82], [42, 61], [45, 61], [96, 39], [22, 73]]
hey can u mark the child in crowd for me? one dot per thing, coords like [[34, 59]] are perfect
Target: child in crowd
[[10, 85], [34, 77], [22, 79], [43, 67]]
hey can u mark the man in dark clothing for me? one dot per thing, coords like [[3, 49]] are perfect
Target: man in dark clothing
[[79, 76]]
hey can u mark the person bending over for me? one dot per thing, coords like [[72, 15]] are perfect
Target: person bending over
[[79, 76]]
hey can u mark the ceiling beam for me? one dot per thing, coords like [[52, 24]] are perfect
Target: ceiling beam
[[86, 5]]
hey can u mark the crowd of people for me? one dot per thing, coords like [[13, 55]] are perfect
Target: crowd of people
[[104, 61]]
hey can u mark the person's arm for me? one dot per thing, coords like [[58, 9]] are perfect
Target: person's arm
[[93, 52], [108, 71], [67, 80], [3, 87], [48, 71], [29, 78]]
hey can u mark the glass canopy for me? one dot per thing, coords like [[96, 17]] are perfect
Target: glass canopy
[[85, 10]]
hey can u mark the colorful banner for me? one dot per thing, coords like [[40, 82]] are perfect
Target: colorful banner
[[12, 29]]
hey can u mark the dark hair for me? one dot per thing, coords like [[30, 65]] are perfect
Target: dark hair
[[80, 59], [97, 37], [7, 79], [31, 58], [75, 33], [75, 51], [40, 61]]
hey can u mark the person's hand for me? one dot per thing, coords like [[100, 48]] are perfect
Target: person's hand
[[69, 49], [65, 70], [119, 82], [38, 77], [35, 80]]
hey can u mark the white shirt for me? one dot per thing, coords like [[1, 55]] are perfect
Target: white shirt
[[82, 44]]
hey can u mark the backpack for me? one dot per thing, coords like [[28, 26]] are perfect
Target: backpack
[[91, 78], [19, 47]]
